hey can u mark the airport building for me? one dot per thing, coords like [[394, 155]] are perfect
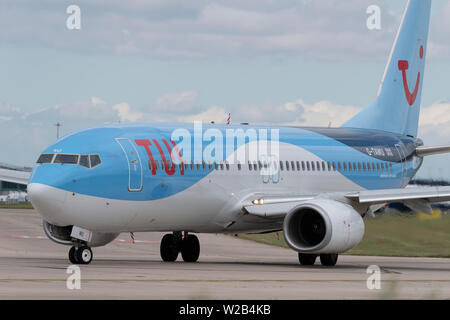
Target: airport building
[[5, 186]]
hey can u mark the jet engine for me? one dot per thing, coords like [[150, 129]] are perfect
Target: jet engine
[[62, 235], [323, 226]]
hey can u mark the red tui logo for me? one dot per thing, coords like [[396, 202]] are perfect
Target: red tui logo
[[403, 65]]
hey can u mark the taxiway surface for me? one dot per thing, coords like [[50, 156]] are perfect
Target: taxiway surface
[[33, 267]]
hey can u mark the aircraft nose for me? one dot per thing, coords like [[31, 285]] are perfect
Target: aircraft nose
[[48, 201]]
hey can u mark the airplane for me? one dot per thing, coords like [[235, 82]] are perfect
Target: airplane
[[315, 184]]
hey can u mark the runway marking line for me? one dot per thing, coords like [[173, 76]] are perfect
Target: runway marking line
[[217, 280]]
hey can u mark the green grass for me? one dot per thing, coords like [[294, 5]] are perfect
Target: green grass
[[23, 205], [404, 236]]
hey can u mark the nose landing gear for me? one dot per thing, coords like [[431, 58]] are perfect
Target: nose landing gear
[[80, 255], [173, 244]]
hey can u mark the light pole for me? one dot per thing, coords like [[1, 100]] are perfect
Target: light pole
[[58, 125]]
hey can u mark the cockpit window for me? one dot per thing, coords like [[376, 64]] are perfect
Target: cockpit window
[[84, 161], [66, 158], [45, 158], [95, 160]]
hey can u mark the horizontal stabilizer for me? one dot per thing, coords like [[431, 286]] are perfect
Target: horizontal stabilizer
[[428, 151]]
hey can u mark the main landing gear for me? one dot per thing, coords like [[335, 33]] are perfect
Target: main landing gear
[[328, 260], [80, 254], [173, 244]]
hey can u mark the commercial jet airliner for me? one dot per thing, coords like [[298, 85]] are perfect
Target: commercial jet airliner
[[315, 184]]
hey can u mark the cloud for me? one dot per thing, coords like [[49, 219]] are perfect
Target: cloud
[[326, 29], [434, 123], [8, 112], [323, 113], [176, 102], [216, 114], [125, 114]]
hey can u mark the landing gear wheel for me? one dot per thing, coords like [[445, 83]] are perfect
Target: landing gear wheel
[[84, 255], [190, 249], [329, 259], [306, 259], [168, 248], [73, 255]]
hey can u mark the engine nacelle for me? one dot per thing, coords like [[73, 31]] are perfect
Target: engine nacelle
[[323, 226], [62, 235]]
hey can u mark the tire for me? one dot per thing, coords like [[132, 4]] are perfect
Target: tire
[[168, 248], [329, 260], [73, 255], [190, 249], [84, 255], [306, 259]]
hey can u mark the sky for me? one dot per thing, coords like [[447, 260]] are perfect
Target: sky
[[280, 62]]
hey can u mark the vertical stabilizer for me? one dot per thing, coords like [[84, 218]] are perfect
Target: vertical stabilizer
[[397, 106]]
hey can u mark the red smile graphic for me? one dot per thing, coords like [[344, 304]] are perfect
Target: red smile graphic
[[403, 65]]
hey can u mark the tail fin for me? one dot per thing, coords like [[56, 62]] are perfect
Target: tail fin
[[397, 106]]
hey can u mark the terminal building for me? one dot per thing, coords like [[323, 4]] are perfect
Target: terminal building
[[7, 186]]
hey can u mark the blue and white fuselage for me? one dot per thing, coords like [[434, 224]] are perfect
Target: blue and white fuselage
[[123, 194]]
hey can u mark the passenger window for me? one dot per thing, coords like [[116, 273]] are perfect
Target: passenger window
[[359, 166], [259, 164], [334, 166], [313, 167], [227, 165], [307, 166], [303, 165], [255, 166], [390, 166], [339, 166], [329, 166], [239, 166], [287, 165], [192, 165], [292, 165], [45, 158], [368, 166], [354, 166], [209, 165], [324, 166], [216, 166], [281, 165], [378, 167], [221, 166], [250, 167], [318, 166], [345, 166]]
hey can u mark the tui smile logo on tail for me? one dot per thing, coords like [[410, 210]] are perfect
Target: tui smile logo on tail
[[403, 65]]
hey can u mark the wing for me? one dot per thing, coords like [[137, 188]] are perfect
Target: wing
[[416, 198], [14, 176]]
